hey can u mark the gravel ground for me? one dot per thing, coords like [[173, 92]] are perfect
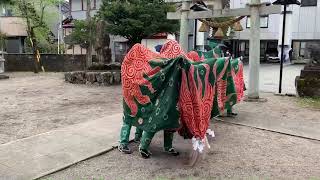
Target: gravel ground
[[32, 104], [237, 153]]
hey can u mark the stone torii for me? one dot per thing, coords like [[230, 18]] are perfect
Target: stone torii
[[254, 9]]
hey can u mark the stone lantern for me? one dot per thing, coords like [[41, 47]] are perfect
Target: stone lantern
[[2, 60], [2, 76]]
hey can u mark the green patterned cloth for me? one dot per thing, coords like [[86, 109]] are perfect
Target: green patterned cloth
[[169, 91]]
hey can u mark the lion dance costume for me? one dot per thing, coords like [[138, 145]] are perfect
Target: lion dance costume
[[176, 91]]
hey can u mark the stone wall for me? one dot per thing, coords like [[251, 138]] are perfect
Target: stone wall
[[101, 78], [51, 62]]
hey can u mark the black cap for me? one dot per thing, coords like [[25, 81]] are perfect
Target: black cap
[[286, 2]]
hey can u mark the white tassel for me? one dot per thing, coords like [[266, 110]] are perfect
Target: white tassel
[[211, 133], [207, 142], [198, 144]]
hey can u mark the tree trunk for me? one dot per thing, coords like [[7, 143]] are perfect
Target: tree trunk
[[35, 51], [31, 35], [89, 49]]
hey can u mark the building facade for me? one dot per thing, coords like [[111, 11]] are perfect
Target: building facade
[[14, 29], [78, 10], [302, 29]]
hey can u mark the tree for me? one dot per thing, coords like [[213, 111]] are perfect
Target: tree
[[137, 19], [99, 37], [80, 33], [35, 24], [4, 2]]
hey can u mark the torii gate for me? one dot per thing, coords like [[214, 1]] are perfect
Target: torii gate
[[255, 9]]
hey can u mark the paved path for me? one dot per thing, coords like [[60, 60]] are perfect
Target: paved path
[[42, 154], [269, 77], [279, 114]]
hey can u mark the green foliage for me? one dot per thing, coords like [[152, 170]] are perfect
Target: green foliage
[[6, 1], [39, 16], [310, 102], [80, 34], [137, 19]]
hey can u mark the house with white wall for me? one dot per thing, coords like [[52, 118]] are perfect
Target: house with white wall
[[302, 29], [78, 10]]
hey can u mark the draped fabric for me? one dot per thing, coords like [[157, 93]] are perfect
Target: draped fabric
[[176, 90], [237, 74]]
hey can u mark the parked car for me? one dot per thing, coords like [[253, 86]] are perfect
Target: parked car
[[272, 55]]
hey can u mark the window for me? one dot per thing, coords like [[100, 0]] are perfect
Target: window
[[302, 50], [264, 21], [244, 48], [84, 4], [93, 4], [308, 3], [120, 50], [9, 12], [263, 45]]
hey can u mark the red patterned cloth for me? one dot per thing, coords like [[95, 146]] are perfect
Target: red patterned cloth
[[150, 107], [238, 79], [193, 55]]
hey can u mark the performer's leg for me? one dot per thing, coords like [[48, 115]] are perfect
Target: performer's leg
[[229, 111], [138, 135], [124, 138], [168, 138], [145, 143]]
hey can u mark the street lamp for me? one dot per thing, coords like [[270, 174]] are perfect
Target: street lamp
[[284, 3]]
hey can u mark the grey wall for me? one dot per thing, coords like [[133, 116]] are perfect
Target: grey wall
[[51, 62]]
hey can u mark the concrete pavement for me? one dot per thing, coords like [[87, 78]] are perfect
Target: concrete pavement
[[269, 77], [279, 114], [45, 153]]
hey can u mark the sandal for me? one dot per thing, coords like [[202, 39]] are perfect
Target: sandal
[[124, 149], [173, 152], [144, 153]]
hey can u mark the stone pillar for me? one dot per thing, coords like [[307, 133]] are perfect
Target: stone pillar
[[2, 60], [200, 41], [184, 26], [2, 76], [254, 50]]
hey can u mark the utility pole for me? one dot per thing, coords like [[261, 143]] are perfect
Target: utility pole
[[2, 43], [60, 31], [89, 49], [59, 27]]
